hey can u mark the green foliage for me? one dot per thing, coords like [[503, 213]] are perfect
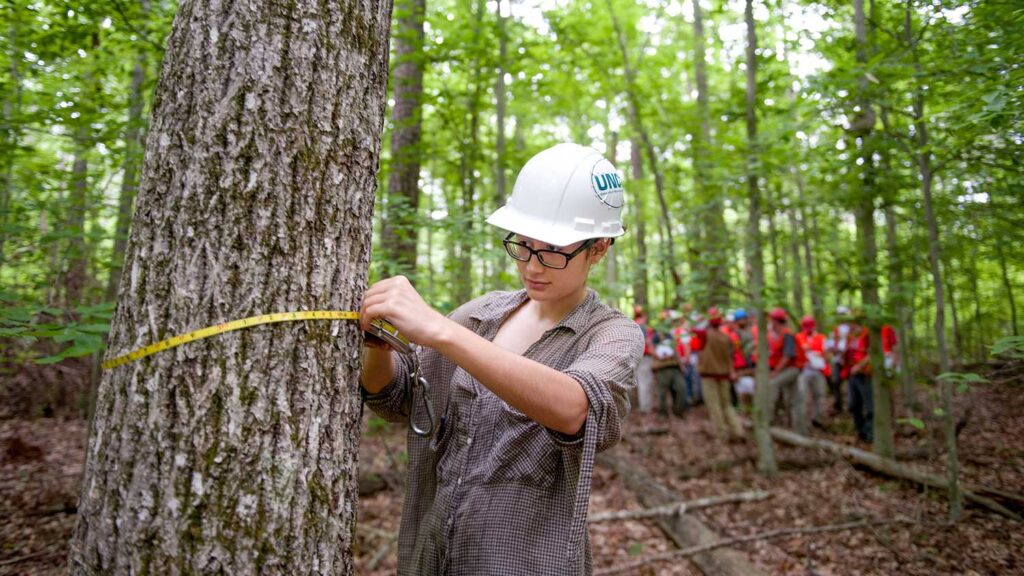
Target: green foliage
[[1010, 346], [915, 422], [66, 87], [30, 325]]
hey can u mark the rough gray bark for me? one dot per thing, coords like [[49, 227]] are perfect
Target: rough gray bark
[[762, 394], [399, 226], [237, 454], [130, 179]]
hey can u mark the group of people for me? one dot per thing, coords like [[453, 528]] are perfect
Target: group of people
[[691, 358]]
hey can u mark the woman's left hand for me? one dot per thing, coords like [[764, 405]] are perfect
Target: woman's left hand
[[396, 300]]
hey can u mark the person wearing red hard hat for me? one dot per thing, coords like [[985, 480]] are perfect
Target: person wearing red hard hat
[[715, 365], [813, 377], [786, 360]]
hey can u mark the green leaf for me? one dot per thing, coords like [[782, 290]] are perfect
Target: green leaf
[[93, 328], [939, 412], [915, 422], [635, 548]]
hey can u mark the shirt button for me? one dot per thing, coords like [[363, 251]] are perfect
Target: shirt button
[[450, 520], [469, 441], [460, 481]]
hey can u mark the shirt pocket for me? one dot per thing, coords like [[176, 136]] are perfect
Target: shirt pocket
[[522, 450]]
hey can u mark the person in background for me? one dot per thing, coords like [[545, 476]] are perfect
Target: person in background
[[645, 385], [835, 353], [816, 371], [890, 347], [858, 366], [698, 332], [745, 360], [715, 365], [786, 360], [667, 372]]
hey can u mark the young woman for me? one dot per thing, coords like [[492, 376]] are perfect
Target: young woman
[[529, 385]]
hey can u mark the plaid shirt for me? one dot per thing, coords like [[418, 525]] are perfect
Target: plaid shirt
[[493, 492]]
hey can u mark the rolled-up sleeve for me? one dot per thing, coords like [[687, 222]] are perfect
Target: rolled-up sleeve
[[606, 370], [393, 402]]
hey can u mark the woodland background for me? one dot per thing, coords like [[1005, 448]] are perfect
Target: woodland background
[[883, 170]]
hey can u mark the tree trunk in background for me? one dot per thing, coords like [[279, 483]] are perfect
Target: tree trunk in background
[[762, 395], [863, 128], [237, 454], [924, 158], [715, 259], [979, 344], [132, 159], [1007, 285], [11, 130], [652, 155], [611, 273], [794, 246], [470, 152], [640, 295], [499, 110], [809, 257], [400, 222], [778, 268], [898, 301], [958, 345], [76, 258]]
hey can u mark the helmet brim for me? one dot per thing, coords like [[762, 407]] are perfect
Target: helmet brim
[[510, 219]]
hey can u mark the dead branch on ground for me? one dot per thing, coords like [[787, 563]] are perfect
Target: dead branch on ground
[[680, 507]]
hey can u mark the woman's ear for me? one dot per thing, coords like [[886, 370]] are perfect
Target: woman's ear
[[598, 250]]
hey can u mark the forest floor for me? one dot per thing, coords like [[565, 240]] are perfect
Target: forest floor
[[41, 461]]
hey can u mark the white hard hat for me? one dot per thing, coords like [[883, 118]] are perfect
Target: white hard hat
[[564, 194], [842, 310]]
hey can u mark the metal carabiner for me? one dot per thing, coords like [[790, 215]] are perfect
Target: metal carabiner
[[421, 383]]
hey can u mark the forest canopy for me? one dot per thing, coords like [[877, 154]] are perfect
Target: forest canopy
[[841, 126]]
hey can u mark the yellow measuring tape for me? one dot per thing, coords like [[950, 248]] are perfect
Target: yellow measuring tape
[[228, 327]]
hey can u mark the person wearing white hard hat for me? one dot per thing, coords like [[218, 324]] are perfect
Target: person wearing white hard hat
[[530, 385]]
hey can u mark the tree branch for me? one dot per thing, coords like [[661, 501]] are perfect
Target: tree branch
[[679, 508]]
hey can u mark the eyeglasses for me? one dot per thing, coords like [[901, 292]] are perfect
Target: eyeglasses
[[547, 258]]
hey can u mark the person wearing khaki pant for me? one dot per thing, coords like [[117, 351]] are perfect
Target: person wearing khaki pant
[[717, 373]]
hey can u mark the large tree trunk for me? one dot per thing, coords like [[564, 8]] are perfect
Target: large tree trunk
[[399, 227], [924, 159], [237, 454], [762, 395], [11, 130]]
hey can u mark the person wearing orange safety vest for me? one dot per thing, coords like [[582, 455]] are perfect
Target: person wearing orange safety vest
[[857, 368], [835, 352], [786, 359], [812, 378], [889, 348]]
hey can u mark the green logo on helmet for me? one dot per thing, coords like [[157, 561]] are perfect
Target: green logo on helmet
[[608, 188]]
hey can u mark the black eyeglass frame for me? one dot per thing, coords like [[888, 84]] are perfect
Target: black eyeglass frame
[[540, 253]]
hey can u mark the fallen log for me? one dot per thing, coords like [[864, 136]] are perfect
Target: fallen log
[[888, 467], [685, 530], [780, 533], [679, 508]]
